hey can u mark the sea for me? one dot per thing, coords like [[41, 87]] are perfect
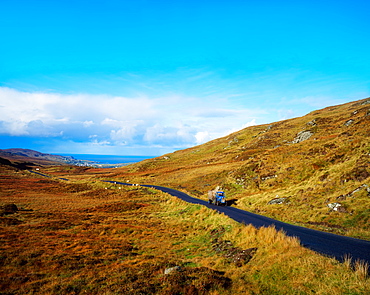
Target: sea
[[108, 159]]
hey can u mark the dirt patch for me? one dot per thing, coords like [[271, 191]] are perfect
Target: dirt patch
[[233, 254], [200, 280]]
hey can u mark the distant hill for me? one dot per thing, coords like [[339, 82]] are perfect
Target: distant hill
[[312, 170], [20, 155]]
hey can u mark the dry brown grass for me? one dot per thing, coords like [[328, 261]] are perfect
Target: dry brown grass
[[86, 236], [258, 163], [97, 238]]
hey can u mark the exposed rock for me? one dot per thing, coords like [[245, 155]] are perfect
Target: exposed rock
[[268, 177], [312, 123], [277, 200], [170, 270], [334, 206], [337, 207], [358, 189], [234, 140], [350, 194], [349, 122], [302, 136]]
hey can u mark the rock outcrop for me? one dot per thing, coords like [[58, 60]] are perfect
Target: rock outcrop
[[302, 136], [277, 200], [338, 207]]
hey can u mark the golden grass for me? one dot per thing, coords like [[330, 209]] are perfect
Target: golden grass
[[256, 164], [86, 236], [92, 237], [281, 265]]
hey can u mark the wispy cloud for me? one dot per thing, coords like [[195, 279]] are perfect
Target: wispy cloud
[[103, 120], [166, 112]]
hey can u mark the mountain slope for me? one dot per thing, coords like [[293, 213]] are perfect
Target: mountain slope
[[35, 157], [312, 170]]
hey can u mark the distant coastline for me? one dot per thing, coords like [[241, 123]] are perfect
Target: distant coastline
[[108, 159]]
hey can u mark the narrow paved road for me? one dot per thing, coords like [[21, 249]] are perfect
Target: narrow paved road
[[325, 243]]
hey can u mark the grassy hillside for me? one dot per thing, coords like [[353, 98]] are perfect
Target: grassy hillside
[[84, 236], [315, 168], [31, 157], [26, 159]]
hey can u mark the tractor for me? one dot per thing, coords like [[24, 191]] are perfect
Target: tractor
[[217, 197]]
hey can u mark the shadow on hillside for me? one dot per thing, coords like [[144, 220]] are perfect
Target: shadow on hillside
[[18, 165]]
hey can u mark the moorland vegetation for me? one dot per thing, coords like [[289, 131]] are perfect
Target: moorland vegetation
[[311, 171], [71, 233]]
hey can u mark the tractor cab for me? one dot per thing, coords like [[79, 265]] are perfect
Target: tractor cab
[[220, 198]]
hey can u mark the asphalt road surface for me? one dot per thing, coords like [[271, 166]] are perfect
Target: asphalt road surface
[[324, 243]]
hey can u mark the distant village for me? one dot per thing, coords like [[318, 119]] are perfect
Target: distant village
[[86, 163]]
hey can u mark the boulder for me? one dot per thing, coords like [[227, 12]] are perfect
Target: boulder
[[364, 186], [351, 194], [277, 201], [337, 207], [312, 123], [267, 177], [302, 136], [170, 270], [349, 122]]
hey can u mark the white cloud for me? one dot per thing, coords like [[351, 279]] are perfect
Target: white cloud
[[251, 123], [202, 137], [159, 134], [111, 122], [88, 123], [106, 121], [248, 124], [96, 142], [123, 134]]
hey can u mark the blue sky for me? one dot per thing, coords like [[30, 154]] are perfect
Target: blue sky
[[150, 77]]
